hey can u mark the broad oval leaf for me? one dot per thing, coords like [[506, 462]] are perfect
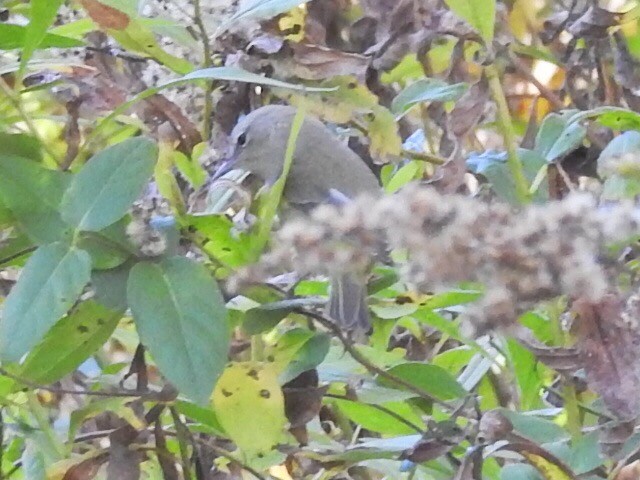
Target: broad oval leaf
[[51, 282], [33, 194], [558, 136], [432, 379], [427, 90], [249, 405], [70, 342], [108, 184], [619, 167], [181, 318], [481, 15], [493, 166]]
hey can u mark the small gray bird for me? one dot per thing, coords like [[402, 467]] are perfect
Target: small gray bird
[[324, 170]]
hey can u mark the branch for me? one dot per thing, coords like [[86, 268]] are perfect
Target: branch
[[362, 360]]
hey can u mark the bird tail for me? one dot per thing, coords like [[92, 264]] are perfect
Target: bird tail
[[347, 302]]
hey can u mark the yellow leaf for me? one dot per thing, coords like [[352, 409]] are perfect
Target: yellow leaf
[[249, 404]]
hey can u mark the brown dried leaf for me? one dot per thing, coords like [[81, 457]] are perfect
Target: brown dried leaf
[[595, 22], [561, 359], [469, 110], [609, 344], [106, 16], [86, 469], [314, 62], [303, 398]]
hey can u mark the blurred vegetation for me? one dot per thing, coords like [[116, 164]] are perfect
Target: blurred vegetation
[[130, 349]]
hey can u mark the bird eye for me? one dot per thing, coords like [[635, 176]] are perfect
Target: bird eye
[[242, 139]]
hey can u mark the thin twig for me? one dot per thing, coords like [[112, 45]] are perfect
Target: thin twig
[[206, 62], [546, 92], [149, 396], [223, 453], [423, 157], [362, 360]]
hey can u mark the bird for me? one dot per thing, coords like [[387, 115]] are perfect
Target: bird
[[323, 170]]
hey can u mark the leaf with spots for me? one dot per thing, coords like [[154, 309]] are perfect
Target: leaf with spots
[[182, 319], [70, 342], [51, 282], [249, 404]]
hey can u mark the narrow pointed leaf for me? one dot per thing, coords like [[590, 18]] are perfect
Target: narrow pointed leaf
[[109, 183], [51, 282], [181, 318]]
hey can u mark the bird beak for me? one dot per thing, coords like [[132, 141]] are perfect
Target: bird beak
[[225, 167], [225, 187]]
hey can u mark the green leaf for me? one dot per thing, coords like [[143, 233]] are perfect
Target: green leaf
[[181, 318], [69, 343], [557, 136], [452, 298], [20, 144], [33, 194], [13, 37], [111, 285], [234, 74], [538, 429], [493, 166], [376, 420], [43, 13], [432, 379], [109, 247], [481, 15], [51, 282], [136, 37], [309, 355], [221, 241], [108, 184], [261, 10], [249, 405], [619, 167], [620, 120], [265, 317], [427, 90], [404, 175], [203, 415], [33, 462]]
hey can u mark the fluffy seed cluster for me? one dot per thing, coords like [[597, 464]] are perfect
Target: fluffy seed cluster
[[521, 258]]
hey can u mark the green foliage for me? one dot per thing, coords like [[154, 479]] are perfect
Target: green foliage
[[117, 287], [181, 318], [103, 190], [51, 282]]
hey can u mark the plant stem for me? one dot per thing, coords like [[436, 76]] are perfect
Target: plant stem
[[272, 199], [206, 62], [508, 134], [15, 100]]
